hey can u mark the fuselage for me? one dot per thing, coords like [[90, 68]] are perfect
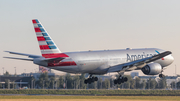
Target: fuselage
[[98, 62]]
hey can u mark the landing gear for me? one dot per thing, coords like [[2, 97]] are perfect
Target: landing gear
[[90, 79], [161, 75], [120, 80]]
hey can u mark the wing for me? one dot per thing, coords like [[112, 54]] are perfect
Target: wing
[[137, 64]]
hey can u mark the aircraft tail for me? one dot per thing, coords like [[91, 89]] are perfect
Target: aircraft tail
[[46, 44]]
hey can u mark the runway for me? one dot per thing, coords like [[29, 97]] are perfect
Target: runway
[[87, 98]]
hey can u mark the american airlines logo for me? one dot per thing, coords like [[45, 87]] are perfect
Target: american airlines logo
[[137, 57]]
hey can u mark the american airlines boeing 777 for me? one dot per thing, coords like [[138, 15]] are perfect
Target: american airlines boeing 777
[[151, 61]]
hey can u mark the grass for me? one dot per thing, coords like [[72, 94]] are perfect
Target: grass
[[96, 92], [170, 98]]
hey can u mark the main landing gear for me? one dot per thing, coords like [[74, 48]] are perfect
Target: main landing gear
[[120, 80], [90, 79]]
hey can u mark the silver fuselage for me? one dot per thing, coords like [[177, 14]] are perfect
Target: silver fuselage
[[98, 62]]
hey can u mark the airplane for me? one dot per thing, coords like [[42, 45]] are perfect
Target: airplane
[[151, 61]]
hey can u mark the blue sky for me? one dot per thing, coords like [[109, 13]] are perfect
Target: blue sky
[[80, 25]]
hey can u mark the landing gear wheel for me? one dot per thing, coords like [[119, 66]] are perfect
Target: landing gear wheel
[[85, 81], [90, 80], [115, 81], [161, 75], [119, 81], [95, 78], [122, 80], [125, 79]]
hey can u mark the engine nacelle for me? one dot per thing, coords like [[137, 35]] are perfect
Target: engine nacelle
[[152, 69]]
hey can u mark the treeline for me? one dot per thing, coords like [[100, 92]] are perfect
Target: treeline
[[77, 82]]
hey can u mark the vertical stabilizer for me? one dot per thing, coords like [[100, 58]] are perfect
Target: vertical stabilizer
[[47, 46]]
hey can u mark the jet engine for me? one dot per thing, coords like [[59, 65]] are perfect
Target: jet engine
[[152, 69]]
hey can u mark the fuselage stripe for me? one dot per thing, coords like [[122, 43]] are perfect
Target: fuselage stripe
[[54, 55], [67, 63]]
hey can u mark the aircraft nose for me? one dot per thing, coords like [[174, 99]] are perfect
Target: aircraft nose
[[170, 59]]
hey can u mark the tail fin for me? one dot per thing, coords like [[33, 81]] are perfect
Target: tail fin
[[47, 46]]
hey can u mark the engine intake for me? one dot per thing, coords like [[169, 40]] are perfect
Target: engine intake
[[152, 69]]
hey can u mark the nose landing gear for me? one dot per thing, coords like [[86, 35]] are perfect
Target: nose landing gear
[[161, 75]]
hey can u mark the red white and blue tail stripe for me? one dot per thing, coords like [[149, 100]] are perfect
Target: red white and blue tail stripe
[[47, 46]]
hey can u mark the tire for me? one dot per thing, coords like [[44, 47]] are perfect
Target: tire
[[92, 79], [95, 78], [119, 81], [89, 80], [125, 79], [160, 75], [122, 80], [115, 82], [85, 81]]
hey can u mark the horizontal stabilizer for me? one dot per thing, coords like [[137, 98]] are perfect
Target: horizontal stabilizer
[[29, 55], [19, 58]]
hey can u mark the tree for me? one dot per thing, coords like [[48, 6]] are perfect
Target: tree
[[173, 84], [132, 82], [178, 85], [7, 83], [61, 82], [31, 82], [127, 85], [0, 85], [106, 84], [95, 85], [13, 85], [69, 81], [162, 83], [153, 83], [137, 83], [82, 85], [143, 84], [76, 80], [99, 83], [148, 84], [111, 83], [43, 80], [6, 74], [52, 82]]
